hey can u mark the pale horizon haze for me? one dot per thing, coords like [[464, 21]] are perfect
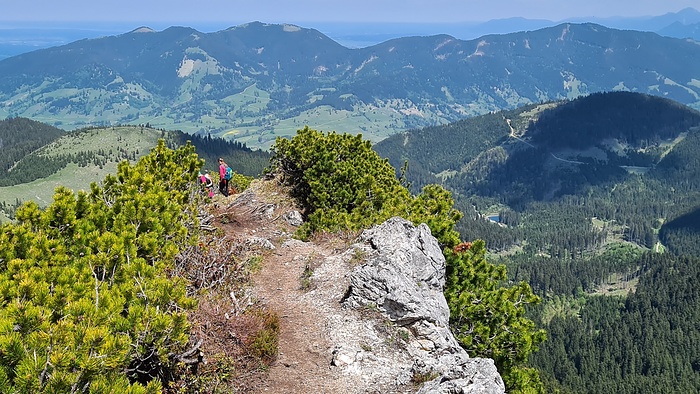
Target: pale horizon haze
[[305, 11]]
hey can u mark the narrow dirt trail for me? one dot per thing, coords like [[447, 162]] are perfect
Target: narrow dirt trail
[[324, 346], [302, 365]]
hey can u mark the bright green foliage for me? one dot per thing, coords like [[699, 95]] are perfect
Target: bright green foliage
[[85, 303], [434, 207], [488, 318], [343, 184]]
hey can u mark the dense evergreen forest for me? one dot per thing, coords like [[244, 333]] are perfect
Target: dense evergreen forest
[[18, 138], [239, 157], [646, 342], [636, 119], [681, 234], [595, 202]]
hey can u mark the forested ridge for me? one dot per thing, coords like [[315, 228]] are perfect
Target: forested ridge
[[524, 178], [36, 151], [18, 138], [238, 156], [23, 159], [633, 118], [596, 201]]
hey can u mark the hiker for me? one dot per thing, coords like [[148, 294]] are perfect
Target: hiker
[[207, 182], [223, 179]]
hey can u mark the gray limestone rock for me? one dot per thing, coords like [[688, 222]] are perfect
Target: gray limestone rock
[[294, 218], [403, 277], [260, 242]]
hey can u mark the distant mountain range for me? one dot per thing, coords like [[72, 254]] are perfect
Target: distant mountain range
[[20, 37], [255, 82], [682, 24]]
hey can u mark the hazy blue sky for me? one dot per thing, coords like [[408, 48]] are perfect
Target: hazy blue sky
[[298, 11]]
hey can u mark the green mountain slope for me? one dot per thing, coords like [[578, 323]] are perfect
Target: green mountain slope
[[595, 196], [565, 178], [19, 137], [79, 158], [254, 82], [541, 152], [76, 160]]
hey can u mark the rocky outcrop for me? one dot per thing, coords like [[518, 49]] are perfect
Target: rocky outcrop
[[402, 277], [367, 318]]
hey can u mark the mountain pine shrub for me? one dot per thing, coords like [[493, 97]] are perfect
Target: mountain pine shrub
[[342, 184], [85, 302], [488, 318]]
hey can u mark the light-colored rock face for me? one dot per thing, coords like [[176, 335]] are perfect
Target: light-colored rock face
[[403, 277]]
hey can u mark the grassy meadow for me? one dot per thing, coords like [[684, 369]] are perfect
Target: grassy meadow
[[110, 145]]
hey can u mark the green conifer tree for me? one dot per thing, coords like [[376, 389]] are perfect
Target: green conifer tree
[[343, 184], [489, 319]]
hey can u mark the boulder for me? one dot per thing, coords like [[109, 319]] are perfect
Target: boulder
[[403, 277]]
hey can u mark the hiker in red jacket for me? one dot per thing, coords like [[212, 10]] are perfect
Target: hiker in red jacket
[[223, 182], [207, 182]]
